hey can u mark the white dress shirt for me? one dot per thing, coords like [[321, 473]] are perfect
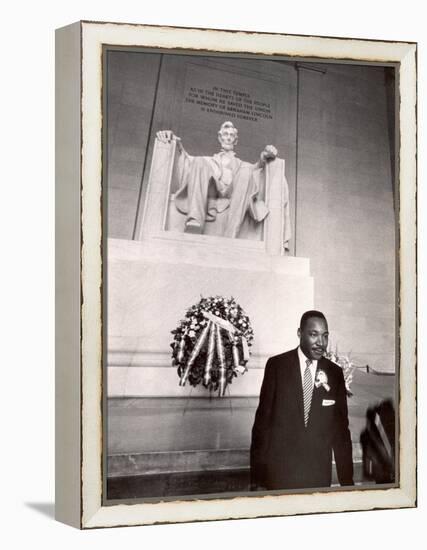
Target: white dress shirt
[[303, 365]]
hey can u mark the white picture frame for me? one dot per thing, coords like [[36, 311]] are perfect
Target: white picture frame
[[79, 372]]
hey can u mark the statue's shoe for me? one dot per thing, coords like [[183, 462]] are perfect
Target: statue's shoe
[[193, 226]]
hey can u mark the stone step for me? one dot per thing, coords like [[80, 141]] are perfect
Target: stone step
[[208, 482], [170, 462]]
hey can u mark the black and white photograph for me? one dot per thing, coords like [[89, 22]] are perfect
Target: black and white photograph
[[213, 275], [250, 275]]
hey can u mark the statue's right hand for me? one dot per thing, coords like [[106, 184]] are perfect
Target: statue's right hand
[[166, 136]]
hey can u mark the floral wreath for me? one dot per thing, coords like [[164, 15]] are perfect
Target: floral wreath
[[211, 344]]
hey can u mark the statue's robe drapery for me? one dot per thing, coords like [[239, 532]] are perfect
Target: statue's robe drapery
[[208, 187]]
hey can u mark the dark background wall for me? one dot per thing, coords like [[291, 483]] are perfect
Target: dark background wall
[[332, 125]]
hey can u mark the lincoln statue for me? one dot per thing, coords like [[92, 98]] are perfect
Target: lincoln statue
[[209, 186]]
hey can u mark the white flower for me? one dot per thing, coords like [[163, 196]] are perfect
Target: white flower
[[321, 377], [191, 334], [322, 380]]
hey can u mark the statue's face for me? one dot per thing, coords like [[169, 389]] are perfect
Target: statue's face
[[227, 138]]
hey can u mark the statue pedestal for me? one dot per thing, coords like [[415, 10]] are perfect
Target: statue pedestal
[[151, 284]]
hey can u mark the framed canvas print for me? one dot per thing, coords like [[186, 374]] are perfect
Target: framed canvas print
[[236, 274]]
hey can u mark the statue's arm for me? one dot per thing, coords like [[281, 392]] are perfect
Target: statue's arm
[[182, 159]]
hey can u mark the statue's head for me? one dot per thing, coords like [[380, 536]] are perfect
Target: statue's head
[[228, 136]]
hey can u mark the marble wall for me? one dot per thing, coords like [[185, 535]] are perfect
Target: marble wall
[[131, 80], [345, 207]]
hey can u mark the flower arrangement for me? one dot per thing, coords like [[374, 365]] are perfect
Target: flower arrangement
[[211, 344], [348, 367]]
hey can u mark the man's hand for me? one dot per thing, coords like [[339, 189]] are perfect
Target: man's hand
[[269, 153]]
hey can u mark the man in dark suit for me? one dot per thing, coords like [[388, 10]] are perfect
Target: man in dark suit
[[302, 417]]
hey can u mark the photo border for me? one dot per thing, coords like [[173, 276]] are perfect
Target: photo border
[[93, 37]]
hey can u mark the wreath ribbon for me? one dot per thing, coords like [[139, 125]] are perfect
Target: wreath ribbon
[[232, 330], [212, 337]]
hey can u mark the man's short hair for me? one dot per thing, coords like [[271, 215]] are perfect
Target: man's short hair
[[308, 315]]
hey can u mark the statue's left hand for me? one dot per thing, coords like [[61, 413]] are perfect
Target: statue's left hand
[[269, 153]]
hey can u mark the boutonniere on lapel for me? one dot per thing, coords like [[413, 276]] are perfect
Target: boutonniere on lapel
[[321, 380]]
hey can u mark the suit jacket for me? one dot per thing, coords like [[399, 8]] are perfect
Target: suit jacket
[[284, 453]]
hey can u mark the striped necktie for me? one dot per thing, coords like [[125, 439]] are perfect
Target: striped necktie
[[307, 389]]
